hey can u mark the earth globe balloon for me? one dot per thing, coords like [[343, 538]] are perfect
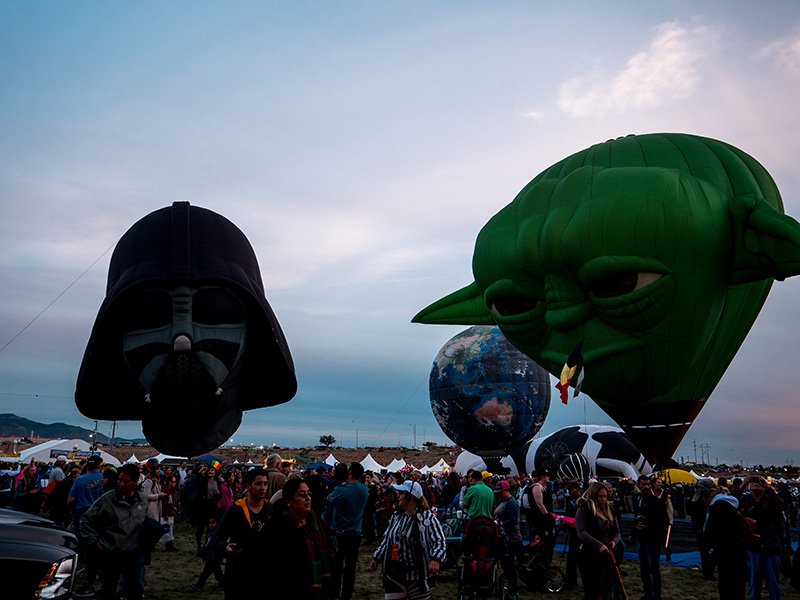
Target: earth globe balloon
[[486, 395]]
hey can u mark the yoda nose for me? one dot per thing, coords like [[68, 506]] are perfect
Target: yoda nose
[[567, 304]]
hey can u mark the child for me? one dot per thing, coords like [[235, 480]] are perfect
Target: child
[[211, 557]]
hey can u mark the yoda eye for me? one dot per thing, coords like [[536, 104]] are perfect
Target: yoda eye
[[506, 307], [622, 283]]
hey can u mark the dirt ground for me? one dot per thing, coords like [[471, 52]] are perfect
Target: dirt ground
[[170, 574]]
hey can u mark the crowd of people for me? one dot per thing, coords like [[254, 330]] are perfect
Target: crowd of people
[[305, 527]]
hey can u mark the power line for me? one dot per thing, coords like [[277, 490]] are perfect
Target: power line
[[32, 321]]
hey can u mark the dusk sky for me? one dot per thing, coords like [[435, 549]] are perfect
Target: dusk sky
[[361, 146]]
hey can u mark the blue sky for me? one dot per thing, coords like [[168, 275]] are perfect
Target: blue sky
[[361, 146]]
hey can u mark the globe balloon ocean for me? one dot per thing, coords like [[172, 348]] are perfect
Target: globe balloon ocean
[[486, 395]]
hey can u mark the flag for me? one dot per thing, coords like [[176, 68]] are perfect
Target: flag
[[579, 382], [568, 372]]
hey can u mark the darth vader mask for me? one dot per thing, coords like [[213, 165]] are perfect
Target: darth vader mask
[[185, 339]]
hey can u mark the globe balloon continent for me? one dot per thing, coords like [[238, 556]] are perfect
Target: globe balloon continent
[[486, 395]]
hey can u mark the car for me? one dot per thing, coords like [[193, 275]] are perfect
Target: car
[[38, 557]]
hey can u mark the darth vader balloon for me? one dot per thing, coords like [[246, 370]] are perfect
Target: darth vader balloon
[[185, 339]]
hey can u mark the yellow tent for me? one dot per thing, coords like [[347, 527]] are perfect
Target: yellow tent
[[676, 476]]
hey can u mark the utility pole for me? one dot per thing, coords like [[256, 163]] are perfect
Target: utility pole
[[113, 434], [694, 443]]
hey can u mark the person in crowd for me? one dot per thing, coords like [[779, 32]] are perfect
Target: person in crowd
[[57, 472], [7, 476], [597, 528], [242, 537], [662, 494], [168, 509], [228, 491], [479, 498], [368, 521], [206, 500], [387, 503], [212, 557], [507, 515], [277, 478], [183, 473], [763, 505], [86, 489], [450, 490], [650, 530], [112, 526], [298, 553], [109, 480], [725, 533], [412, 549], [59, 509], [151, 489], [345, 514], [540, 500], [416, 476], [26, 494], [573, 541], [697, 511]]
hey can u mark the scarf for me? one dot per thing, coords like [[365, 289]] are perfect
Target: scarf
[[318, 555]]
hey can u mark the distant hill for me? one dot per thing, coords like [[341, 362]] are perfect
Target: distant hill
[[13, 425]]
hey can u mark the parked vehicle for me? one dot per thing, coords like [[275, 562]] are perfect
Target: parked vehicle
[[38, 557]]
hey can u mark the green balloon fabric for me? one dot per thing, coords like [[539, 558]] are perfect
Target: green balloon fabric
[[657, 251]]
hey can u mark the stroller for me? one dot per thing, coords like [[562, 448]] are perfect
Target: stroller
[[482, 547]]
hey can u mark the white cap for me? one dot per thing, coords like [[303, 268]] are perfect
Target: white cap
[[410, 487]]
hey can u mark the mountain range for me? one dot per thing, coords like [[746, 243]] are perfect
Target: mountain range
[[13, 425]]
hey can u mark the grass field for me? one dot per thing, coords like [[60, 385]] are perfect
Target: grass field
[[170, 574]]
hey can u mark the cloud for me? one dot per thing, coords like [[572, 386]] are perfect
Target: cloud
[[532, 115], [785, 52], [665, 72]]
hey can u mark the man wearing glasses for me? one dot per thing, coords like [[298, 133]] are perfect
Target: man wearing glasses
[[111, 527]]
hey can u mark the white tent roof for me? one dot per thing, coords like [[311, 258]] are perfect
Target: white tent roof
[[132, 460], [440, 466], [396, 465], [331, 460], [47, 451], [370, 464]]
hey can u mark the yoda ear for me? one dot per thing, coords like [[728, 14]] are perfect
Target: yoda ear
[[463, 307], [766, 241]]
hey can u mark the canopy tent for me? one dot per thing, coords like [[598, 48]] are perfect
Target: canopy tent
[[208, 458], [74, 449], [370, 464], [425, 470], [132, 460], [331, 460], [316, 465], [398, 464], [676, 476], [440, 466]]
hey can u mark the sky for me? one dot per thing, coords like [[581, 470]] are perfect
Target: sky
[[361, 146]]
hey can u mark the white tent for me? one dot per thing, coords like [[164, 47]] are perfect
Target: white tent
[[73, 449], [331, 460], [132, 460], [398, 464], [370, 464], [440, 466], [425, 470]]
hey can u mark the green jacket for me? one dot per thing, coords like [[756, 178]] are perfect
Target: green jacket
[[114, 522]]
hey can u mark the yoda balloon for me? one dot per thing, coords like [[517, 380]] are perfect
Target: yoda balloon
[[656, 251]]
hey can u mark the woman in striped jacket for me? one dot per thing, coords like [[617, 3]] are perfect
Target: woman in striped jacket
[[412, 548]]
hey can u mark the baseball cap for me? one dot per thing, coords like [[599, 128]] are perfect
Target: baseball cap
[[410, 487], [502, 486], [94, 459], [702, 485], [61, 457]]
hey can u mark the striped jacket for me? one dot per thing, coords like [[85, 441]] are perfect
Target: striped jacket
[[420, 539]]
